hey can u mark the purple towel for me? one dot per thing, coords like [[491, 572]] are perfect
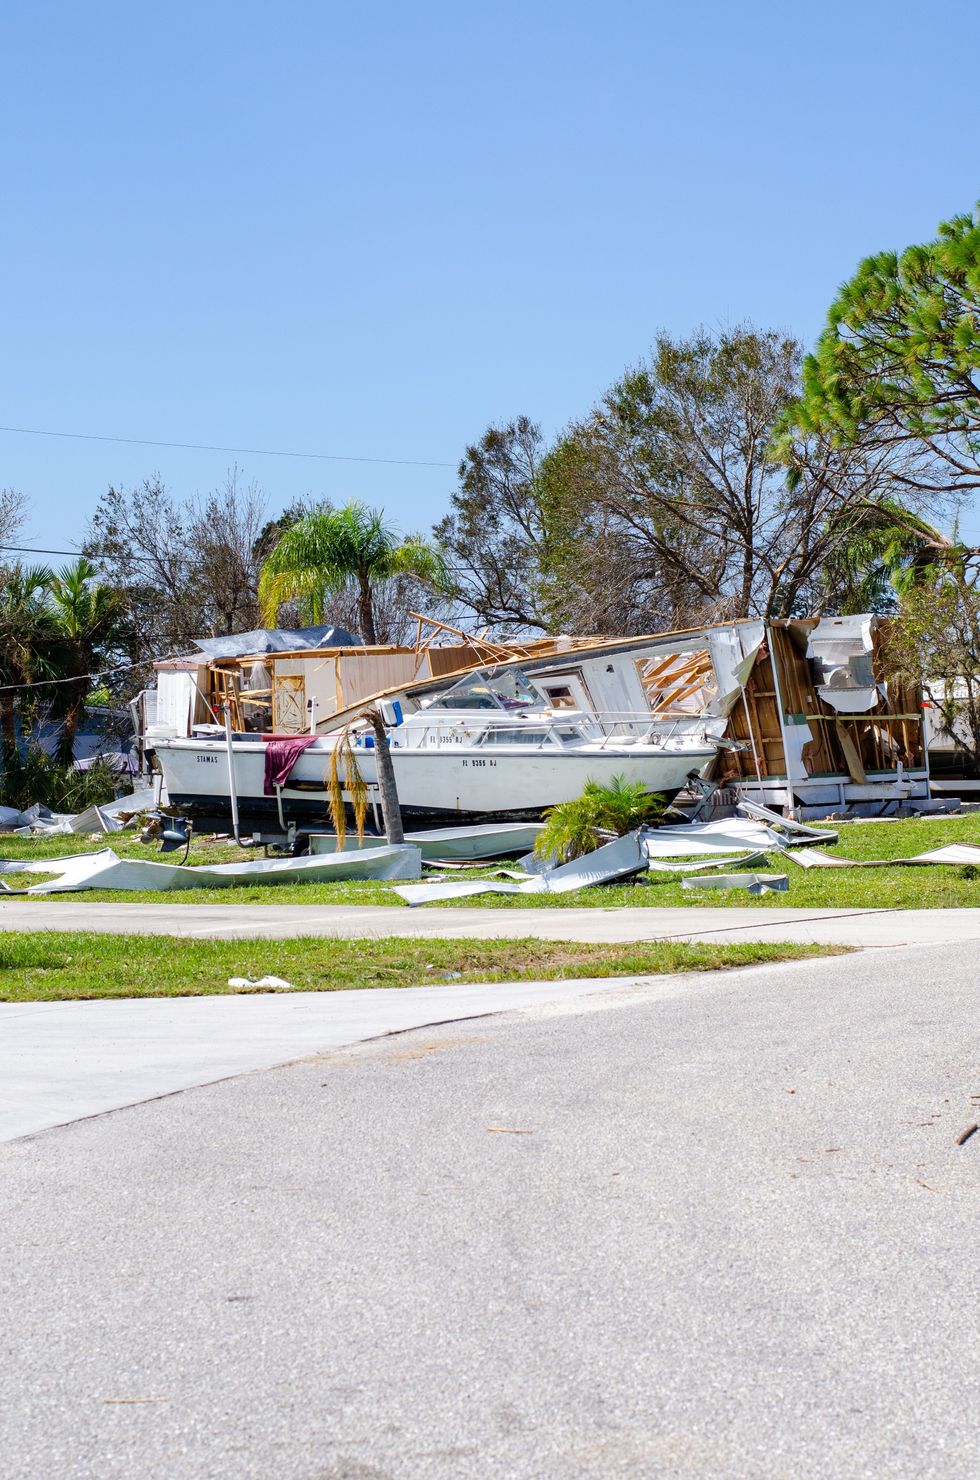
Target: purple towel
[[281, 754]]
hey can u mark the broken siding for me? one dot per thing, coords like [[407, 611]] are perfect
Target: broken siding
[[823, 741]]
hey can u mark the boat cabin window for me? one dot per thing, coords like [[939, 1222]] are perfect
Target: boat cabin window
[[569, 734], [508, 690], [559, 696], [528, 737]]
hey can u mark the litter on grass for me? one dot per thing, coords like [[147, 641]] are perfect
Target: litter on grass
[[262, 984]]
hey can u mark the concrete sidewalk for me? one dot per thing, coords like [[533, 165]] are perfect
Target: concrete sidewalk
[[859, 927], [64, 1061]]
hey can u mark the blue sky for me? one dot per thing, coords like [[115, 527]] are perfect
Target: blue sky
[[371, 230]]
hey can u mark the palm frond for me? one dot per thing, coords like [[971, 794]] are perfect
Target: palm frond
[[326, 549], [353, 782]]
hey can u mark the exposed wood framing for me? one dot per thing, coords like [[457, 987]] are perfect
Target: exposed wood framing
[[672, 683], [841, 745]]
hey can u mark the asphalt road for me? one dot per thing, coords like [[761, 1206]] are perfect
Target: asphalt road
[[721, 1232]]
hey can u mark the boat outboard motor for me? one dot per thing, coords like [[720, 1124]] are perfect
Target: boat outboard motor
[[171, 832]]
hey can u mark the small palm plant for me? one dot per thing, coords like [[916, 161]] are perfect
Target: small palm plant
[[572, 829]]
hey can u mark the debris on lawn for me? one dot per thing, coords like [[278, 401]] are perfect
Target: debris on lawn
[[40, 822], [608, 864], [106, 870], [953, 854], [796, 832], [260, 984], [445, 845], [754, 883]]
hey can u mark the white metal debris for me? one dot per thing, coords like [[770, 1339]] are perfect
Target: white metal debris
[[676, 867], [488, 840], [106, 870], [727, 835], [753, 883], [950, 854], [793, 833], [618, 860]]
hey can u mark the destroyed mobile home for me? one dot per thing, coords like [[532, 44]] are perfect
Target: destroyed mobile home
[[794, 714]]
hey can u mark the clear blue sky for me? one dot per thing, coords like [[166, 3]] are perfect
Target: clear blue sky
[[371, 230]]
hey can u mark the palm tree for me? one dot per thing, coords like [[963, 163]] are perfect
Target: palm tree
[[88, 620], [331, 550], [890, 552], [25, 623]]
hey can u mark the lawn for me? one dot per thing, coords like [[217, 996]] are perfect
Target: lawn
[[889, 888], [59, 966]]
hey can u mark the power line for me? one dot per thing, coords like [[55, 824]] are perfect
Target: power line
[[49, 683], [39, 550], [403, 462], [33, 550]]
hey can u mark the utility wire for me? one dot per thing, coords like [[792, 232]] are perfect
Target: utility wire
[[402, 462], [49, 683], [33, 550], [38, 550]]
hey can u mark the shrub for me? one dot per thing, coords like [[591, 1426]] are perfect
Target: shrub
[[34, 777], [572, 829]]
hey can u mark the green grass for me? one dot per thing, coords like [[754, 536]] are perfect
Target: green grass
[[59, 966], [897, 888]]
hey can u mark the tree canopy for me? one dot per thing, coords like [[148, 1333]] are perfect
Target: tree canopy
[[670, 504], [495, 530], [897, 368], [353, 549]]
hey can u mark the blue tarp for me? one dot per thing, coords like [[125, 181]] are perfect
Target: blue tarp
[[276, 640]]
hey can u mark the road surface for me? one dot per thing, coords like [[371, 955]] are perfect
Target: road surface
[[719, 1232]]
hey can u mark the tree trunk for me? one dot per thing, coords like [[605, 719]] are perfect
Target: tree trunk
[[366, 605], [69, 729], [8, 727], [390, 810]]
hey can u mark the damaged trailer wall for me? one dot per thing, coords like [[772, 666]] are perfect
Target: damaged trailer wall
[[791, 731]]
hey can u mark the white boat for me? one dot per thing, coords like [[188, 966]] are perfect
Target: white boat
[[493, 745]]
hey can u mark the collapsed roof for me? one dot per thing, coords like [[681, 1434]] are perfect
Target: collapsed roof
[[276, 640]]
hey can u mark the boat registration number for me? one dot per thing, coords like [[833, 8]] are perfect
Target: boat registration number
[[479, 763]]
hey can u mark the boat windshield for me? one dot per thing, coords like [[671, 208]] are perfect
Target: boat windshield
[[511, 689]]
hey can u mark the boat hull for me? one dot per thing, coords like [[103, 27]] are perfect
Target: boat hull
[[443, 784]]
